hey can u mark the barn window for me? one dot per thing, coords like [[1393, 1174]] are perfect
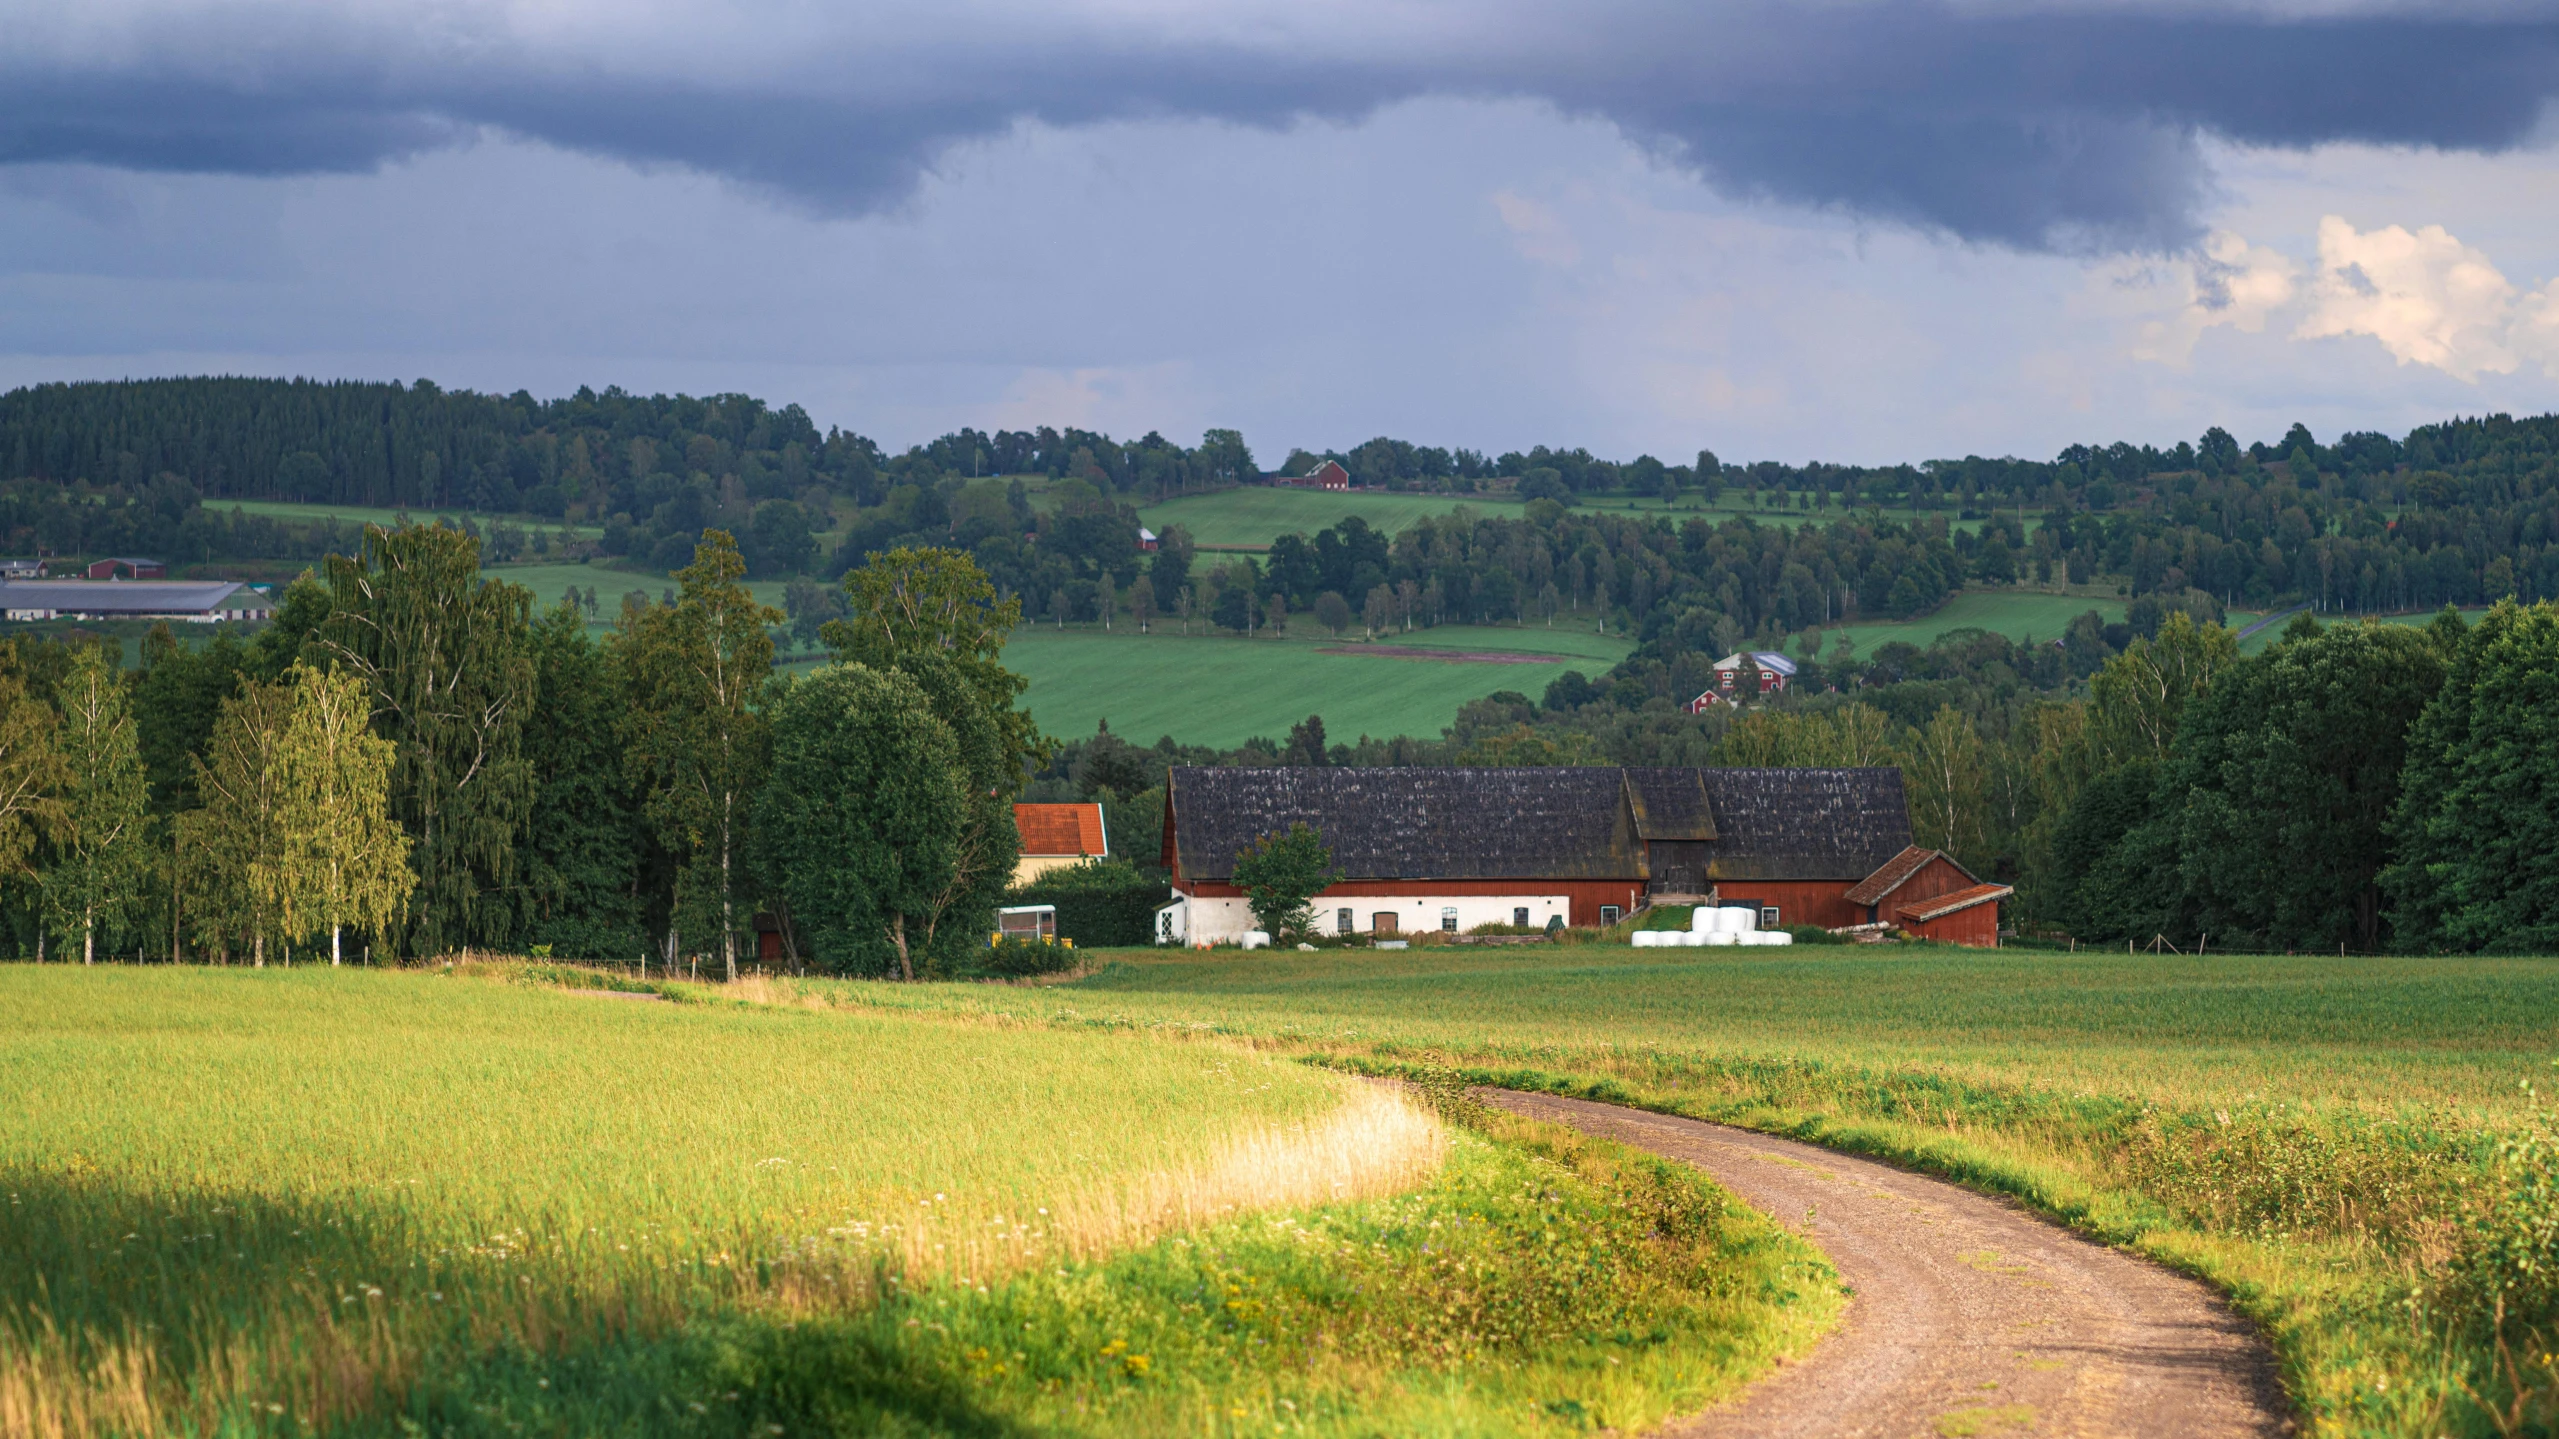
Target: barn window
[[1519, 917], [1607, 915], [1448, 919], [1342, 920], [1768, 916]]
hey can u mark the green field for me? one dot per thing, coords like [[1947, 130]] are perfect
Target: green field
[[1251, 516], [470, 1202], [375, 515], [2356, 1149], [550, 582], [2020, 614], [1220, 690], [2257, 642]]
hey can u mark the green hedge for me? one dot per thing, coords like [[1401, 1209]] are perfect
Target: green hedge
[[1101, 902]]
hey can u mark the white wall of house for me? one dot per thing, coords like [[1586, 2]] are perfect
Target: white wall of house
[[1204, 920]]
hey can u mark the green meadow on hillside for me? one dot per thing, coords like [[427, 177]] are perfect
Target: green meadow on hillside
[[377, 515], [2017, 613], [2357, 1150], [467, 1202], [1222, 690], [1251, 516]]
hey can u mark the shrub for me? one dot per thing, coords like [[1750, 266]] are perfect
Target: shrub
[[1099, 902], [1020, 959]]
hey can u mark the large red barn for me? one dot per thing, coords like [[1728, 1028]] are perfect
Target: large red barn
[[1453, 848]]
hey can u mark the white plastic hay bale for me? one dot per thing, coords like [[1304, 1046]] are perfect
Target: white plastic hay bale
[[1649, 938], [1775, 936], [1691, 938], [1256, 938], [1718, 936], [1736, 919]]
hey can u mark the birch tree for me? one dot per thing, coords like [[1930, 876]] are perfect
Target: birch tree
[[345, 860], [696, 672], [97, 876], [444, 659], [230, 851]]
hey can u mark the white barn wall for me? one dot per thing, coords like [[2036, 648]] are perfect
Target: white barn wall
[[1209, 920]]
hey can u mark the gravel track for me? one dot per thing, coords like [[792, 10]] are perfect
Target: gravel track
[[1969, 1315]]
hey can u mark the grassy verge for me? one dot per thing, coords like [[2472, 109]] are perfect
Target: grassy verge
[[1544, 1283], [2354, 1150]]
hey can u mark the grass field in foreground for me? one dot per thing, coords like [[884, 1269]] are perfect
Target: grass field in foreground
[[236, 1188], [1221, 690], [473, 1203], [2357, 1150]]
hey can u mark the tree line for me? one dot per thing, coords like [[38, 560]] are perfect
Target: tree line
[[410, 761]]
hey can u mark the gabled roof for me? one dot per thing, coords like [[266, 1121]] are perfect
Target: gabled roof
[[1049, 830], [1670, 804], [1766, 659], [1896, 872], [1946, 904], [1412, 823], [1805, 823], [138, 597]]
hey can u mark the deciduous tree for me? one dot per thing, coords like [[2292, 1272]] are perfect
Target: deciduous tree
[[695, 674], [345, 862], [1281, 873], [443, 657], [98, 872], [862, 816]]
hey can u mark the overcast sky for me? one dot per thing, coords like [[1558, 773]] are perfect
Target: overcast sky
[[1861, 231]]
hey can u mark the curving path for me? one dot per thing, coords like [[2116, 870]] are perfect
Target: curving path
[[1969, 1316]]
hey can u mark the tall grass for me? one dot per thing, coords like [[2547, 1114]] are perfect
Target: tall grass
[[2356, 1149], [272, 1200]]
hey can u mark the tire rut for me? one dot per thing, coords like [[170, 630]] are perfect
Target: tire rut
[[1967, 1316]]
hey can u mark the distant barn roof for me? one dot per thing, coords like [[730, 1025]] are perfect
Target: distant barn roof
[[1946, 904], [1572, 823], [1805, 823], [1896, 872], [1058, 829], [1412, 823], [117, 597]]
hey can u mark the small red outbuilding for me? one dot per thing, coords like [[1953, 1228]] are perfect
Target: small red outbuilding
[[1966, 916]]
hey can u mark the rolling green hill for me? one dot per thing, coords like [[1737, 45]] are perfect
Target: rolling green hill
[[1219, 690]]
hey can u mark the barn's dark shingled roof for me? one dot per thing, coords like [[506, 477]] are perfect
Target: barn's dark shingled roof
[[1412, 823], [1572, 823], [1805, 823], [1670, 804]]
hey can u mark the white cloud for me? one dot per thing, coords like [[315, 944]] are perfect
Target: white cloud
[[2427, 297], [1537, 230], [2231, 283]]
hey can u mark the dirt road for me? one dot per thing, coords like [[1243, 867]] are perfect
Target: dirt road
[[1969, 1316]]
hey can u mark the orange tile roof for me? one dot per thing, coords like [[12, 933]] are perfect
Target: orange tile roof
[[1054, 829], [1946, 904]]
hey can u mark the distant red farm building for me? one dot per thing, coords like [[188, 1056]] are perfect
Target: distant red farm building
[[1775, 670], [1326, 476], [133, 569]]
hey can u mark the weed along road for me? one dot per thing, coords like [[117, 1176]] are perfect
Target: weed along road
[[1969, 1316]]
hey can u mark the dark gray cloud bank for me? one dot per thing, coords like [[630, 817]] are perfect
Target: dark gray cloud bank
[[2041, 129]]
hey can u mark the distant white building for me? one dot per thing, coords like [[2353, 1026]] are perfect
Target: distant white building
[[184, 601]]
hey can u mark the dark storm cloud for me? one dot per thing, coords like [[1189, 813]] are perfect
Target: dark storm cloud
[[2042, 130]]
